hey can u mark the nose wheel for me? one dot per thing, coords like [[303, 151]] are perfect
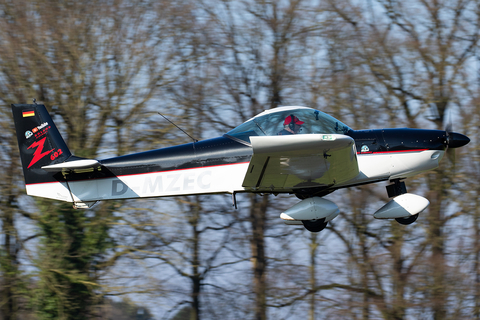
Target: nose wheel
[[315, 225]]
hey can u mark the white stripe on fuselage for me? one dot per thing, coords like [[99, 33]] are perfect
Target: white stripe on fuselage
[[394, 165], [223, 179], [215, 179]]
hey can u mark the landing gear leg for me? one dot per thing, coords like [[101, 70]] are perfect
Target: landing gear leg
[[397, 188]]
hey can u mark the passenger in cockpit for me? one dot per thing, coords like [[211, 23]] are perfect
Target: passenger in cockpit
[[291, 125]]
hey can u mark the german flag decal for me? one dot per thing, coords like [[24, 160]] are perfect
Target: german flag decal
[[28, 113]]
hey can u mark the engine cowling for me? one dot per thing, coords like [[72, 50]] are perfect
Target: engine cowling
[[311, 209], [402, 206]]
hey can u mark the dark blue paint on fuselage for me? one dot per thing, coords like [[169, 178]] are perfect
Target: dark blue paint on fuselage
[[396, 140], [224, 151], [211, 152], [206, 153], [405, 139]]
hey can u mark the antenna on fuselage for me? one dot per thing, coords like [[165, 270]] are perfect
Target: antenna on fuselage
[[194, 140]]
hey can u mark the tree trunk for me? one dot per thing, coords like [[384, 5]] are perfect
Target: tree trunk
[[437, 240], [476, 262], [196, 277], [258, 210], [398, 276], [9, 259], [313, 269], [9, 265]]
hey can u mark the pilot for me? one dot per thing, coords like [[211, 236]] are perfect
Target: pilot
[[291, 125]]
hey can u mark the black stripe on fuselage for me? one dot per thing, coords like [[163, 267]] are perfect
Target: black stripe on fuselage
[[206, 153], [225, 151], [398, 140]]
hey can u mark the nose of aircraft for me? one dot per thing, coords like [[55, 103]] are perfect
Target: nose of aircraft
[[457, 140]]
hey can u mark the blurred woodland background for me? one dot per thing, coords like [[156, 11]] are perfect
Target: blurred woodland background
[[105, 68]]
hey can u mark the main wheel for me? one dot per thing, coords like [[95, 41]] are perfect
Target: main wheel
[[407, 221], [314, 225]]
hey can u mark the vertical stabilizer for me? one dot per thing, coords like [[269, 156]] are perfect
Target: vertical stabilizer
[[39, 141]]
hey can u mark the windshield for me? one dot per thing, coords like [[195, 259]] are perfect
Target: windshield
[[280, 121]]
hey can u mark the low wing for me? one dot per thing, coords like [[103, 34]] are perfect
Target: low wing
[[286, 163]]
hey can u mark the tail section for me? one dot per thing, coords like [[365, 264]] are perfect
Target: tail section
[[39, 141]]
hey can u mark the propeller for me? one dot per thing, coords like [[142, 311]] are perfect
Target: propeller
[[451, 154], [453, 140]]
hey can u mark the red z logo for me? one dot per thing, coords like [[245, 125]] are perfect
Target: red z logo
[[38, 154]]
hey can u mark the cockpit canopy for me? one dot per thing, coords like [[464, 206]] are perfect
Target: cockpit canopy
[[270, 123]]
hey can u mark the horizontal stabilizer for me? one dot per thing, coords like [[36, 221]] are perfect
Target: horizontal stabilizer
[[75, 165]]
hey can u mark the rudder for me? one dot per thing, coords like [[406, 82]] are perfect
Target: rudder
[[39, 141]]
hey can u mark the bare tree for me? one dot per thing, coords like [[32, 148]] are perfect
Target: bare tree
[[417, 55], [259, 43], [95, 67]]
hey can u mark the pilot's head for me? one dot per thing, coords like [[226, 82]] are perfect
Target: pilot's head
[[292, 123]]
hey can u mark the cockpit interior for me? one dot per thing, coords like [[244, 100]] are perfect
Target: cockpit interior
[[272, 122]]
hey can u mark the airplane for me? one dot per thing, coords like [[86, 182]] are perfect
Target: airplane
[[285, 150]]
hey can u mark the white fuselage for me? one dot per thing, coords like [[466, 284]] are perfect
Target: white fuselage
[[223, 179]]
